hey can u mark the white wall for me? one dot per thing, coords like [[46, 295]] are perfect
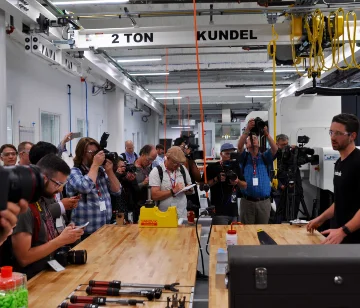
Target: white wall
[[33, 86]]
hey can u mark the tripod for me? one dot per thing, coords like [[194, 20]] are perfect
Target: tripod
[[290, 200]]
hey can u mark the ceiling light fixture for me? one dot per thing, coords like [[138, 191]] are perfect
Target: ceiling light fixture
[[164, 92], [89, 2], [257, 96], [148, 74], [170, 97], [263, 90], [139, 60], [284, 70], [180, 127]]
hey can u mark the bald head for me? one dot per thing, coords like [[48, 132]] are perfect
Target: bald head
[[129, 146]]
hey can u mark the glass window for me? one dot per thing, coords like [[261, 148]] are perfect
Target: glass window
[[9, 124], [50, 127], [80, 126]]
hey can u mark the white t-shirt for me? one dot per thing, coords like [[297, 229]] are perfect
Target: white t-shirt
[[180, 200]]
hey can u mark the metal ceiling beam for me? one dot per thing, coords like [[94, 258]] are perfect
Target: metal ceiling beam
[[102, 67]]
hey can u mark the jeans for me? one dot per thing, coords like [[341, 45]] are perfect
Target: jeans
[[224, 220]]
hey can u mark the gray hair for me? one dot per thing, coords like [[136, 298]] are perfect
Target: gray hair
[[282, 137]]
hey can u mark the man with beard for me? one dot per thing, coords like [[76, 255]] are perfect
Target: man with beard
[[345, 210], [35, 238]]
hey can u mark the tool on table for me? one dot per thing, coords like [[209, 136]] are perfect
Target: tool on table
[[168, 300], [118, 285], [264, 238], [69, 305], [182, 302], [174, 301], [102, 301], [154, 218], [149, 294]]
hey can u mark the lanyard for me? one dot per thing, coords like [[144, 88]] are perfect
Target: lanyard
[[254, 165], [172, 180], [98, 189]]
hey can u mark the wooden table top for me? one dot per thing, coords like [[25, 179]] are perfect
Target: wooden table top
[[247, 235], [129, 254]]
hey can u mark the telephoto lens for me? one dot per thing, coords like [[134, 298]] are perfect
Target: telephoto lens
[[20, 182], [77, 256]]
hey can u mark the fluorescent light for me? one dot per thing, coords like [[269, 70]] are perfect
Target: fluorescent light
[[148, 74], [258, 96], [89, 2], [180, 126], [263, 90], [164, 92], [170, 97], [139, 60], [284, 70]]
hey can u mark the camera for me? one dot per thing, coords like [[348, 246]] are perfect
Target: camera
[[259, 125], [113, 156], [20, 182], [227, 167], [130, 168], [67, 256]]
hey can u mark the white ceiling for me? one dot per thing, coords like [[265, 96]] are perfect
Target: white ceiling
[[227, 73]]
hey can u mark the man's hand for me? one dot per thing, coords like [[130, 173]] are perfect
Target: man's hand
[[314, 224], [69, 235], [178, 187], [251, 125], [334, 236], [70, 203], [266, 132], [235, 182], [67, 138], [130, 176], [109, 166], [146, 181], [282, 187], [99, 159], [8, 218]]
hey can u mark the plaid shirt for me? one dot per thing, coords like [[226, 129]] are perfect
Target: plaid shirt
[[88, 209], [264, 187]]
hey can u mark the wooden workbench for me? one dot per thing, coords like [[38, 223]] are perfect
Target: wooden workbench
[[129, 254], [247, 235]]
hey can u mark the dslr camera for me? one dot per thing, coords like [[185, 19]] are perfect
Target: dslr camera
[[227, 169], [130, 168], [259, 126], [113, 156], [67, 256], [20, 182]]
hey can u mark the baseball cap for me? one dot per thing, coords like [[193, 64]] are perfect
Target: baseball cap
[[176, 154], [227, 146]]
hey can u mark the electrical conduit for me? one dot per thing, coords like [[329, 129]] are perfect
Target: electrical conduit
[[70, 129], [86, 109]]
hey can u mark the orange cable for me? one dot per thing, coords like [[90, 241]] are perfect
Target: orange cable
[[199, 88], [166, 86]]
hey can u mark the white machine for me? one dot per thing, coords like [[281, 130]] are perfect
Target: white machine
[[321, 175]]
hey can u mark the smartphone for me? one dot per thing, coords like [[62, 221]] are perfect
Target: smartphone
[[76, 135], [81, 227]]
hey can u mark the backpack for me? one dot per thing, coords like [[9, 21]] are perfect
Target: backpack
[[123, 155], [264, 160], [182, 171]]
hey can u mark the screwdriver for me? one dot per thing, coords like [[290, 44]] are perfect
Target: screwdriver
[[149, 294], [102, 301], [118, 284], [68, 305]]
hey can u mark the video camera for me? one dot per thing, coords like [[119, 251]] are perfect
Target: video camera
[[20, 182], [298, 155], [113, 156]]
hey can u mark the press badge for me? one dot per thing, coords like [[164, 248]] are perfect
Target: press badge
[[102, 206], [233, 198], [255, 181]]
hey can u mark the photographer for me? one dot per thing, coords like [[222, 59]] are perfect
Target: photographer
[[124, 203], [255, 204], [225, 179], [289, 179], [93, 178], [143, 168], [35, 238]]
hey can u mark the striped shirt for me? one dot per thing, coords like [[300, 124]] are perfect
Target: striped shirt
[[92, 194]]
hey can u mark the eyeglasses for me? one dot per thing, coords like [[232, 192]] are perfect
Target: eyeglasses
[[150, 160], [93, 153], [25, 151], [337, 133], [6, 154], [59, 184]]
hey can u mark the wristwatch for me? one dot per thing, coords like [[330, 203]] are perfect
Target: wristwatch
[[172, 192], [246, 133], [346, 230]]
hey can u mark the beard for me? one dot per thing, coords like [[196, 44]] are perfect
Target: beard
[[47, 193], [340, 146]]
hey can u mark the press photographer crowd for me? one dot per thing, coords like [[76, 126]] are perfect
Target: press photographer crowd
[[47, 207]]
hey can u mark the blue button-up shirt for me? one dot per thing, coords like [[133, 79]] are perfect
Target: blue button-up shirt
[[264, 188], [88, 209], [158, 161]]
